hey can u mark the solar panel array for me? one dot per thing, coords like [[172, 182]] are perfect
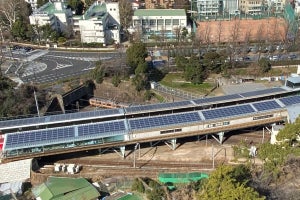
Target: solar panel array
[[266, 105], [41, 136], [262, 92], [105, 129], [158, 107], [217, 99], [60, 118], [290, 100], [151, 122], [227, 112]]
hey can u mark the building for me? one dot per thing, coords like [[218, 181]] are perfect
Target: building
[[66, 188], [231, 6], [252, 7], [54, 13], [33, 4], [209, 7], [100, 23], [163, 22]]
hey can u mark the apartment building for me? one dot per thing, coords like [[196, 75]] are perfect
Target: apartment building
[[209, 7], [252, 7], [54, 13], [100, 23], [159, 21]]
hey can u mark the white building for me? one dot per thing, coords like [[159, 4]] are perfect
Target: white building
[[297, 7], [208, 7], [100, 23], [33, 4], [56, 14], [159, 21]]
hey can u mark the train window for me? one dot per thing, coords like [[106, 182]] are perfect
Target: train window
[[178, 130], [207, 126], [213, 125], [226, 123]]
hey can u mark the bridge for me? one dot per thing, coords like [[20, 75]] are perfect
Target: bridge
[[98, 129]]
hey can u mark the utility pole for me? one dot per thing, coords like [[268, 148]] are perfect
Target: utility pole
[[36, 102]]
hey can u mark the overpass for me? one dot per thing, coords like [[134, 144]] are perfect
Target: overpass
[[118, 129]]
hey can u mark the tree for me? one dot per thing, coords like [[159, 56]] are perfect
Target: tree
[[77, 6], [41, 2], [98, 73], [290, 133], [213, 61], [194, 71], [19, 30], [141, 78], [135, 54], [126, 13], [12, 10], [264, 65], [224, 183]]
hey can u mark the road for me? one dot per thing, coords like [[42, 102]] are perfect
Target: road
[[43, 66]]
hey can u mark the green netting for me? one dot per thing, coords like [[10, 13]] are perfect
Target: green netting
[[181, 177], [291, 18]]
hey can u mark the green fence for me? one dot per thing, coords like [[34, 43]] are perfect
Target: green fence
[[181, 177]]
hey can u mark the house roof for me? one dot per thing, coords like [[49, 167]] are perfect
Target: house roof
[[66, 188], [96, 10], [159, 12], [49, 8]]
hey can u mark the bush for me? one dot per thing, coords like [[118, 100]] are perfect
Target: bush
[[138, 186]]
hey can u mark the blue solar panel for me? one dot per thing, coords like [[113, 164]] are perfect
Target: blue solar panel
[[290, 100], [30, 138], [158, 107], [150, 122], [212, 100], [61, 117], [266, 105], [101, 128], [263, 92], [227, 112]]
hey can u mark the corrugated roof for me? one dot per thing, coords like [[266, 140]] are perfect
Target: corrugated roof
[[61, 188], [294, 79], [159, 12]]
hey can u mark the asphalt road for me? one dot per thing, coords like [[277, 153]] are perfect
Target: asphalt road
[[42, 66]]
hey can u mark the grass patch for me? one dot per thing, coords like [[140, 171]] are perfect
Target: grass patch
[[175, 80], [159, 97]]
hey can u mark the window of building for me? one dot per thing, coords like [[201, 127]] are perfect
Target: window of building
[[136, 22], [160, 22], [152, 22], [168, 21], [175, 21]]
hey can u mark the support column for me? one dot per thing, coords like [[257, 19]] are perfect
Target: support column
[[221, 137], [171, 143]]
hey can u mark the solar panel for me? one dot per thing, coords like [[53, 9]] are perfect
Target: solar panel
[[217, 99], [266, 105], [103, 129], [150, 122], [290, 100], [227, 112], [59, 118], [262, 92], [155, 107], [27, 138]]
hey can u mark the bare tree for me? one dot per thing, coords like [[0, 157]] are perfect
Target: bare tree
[[9, 10], [126, 13], [207, 35], [260, 39], [219, 32], [177, 32]]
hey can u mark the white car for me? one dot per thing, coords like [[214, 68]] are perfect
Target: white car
[[274, 58]]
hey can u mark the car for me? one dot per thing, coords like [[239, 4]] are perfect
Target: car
[[274, 58], [292, 56], [246, 58]]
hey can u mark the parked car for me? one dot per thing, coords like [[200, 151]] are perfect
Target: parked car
[[292, 56], [274, 58]]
